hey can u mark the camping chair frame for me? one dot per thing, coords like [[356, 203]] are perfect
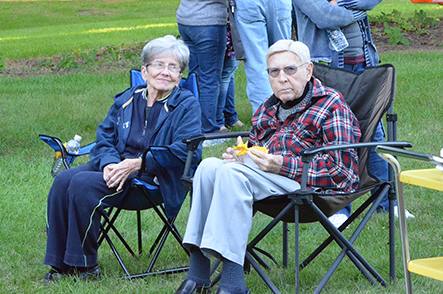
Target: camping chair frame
[[152, 195], [427, 266], [304, 197]]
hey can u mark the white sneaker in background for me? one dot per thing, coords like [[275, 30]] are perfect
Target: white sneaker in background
[[338, 219], [210, 143], [408, 214]]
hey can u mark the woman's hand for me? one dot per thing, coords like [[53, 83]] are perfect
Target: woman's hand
[[115, 175], [231, 155], [266, 162]]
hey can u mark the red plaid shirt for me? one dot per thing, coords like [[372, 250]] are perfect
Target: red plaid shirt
[[327, 120]]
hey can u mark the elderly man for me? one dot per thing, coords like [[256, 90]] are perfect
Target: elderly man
[[302, 113]]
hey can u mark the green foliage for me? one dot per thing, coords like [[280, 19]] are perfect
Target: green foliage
[[111, 53], [395, 35], [132, 55], [44, 63], [67, 62], [2, 62], [89, 58], [420, 23]]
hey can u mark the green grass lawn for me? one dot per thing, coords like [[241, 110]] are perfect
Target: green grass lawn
[[75, 102]]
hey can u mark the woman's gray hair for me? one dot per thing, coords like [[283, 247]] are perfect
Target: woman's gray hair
[[163, 46], [296, 47]]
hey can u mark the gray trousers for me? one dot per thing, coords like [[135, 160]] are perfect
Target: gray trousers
[[221, 211]]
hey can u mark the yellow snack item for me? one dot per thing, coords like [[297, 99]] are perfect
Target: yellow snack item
[[243, 147]]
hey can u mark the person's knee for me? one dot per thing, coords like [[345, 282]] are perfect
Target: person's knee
[[210, 165], [81, 185], [230, 169]]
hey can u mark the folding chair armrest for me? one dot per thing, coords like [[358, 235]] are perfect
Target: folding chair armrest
[[161, 157], [410, 154], [55, 143], [323, 149], [192, 144], [308, 154], [84, 150]]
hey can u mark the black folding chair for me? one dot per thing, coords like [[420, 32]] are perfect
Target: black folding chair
[[370, 95]]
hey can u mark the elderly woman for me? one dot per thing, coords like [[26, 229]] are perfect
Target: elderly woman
[[159, 114], [301, 114]]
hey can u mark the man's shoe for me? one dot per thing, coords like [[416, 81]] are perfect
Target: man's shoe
[[213, 142], [338, 219], [90, 274], [223, 291], [407, 213], [190, 286], [238, 123]]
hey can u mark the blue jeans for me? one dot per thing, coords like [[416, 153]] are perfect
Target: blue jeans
[[226, 113], [260, 24], [207, 45], [377, 166]]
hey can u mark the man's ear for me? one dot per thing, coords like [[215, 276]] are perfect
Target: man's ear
[[309, 70]]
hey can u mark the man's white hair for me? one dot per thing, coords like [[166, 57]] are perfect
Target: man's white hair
[[296, 47]]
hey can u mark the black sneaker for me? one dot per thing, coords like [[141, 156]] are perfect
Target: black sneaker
[[89, 274], [56, 274]]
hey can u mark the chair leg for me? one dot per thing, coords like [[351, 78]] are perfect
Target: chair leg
[[285, 244], [392, 238], [261, 273], [346, 251], [107, 225], [116, 254], [213, 270], [345, 244], [251, 246], [326, 243], [297, 249], [139, 232]]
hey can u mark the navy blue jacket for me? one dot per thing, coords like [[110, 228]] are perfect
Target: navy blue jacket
[[178, 119]]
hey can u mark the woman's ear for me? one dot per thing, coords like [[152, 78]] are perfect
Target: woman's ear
[[144, 71], [179, 79]]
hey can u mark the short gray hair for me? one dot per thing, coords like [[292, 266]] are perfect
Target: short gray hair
[[296, 47], [163, 46]]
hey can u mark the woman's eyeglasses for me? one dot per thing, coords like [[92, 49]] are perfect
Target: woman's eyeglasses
[[161, 66]]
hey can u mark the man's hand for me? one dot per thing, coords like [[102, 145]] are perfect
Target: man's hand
[[266, 162], [115, 175], [231, 155]]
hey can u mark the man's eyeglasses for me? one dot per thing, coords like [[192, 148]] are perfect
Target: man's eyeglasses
[[290, 70], [161, 66]]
